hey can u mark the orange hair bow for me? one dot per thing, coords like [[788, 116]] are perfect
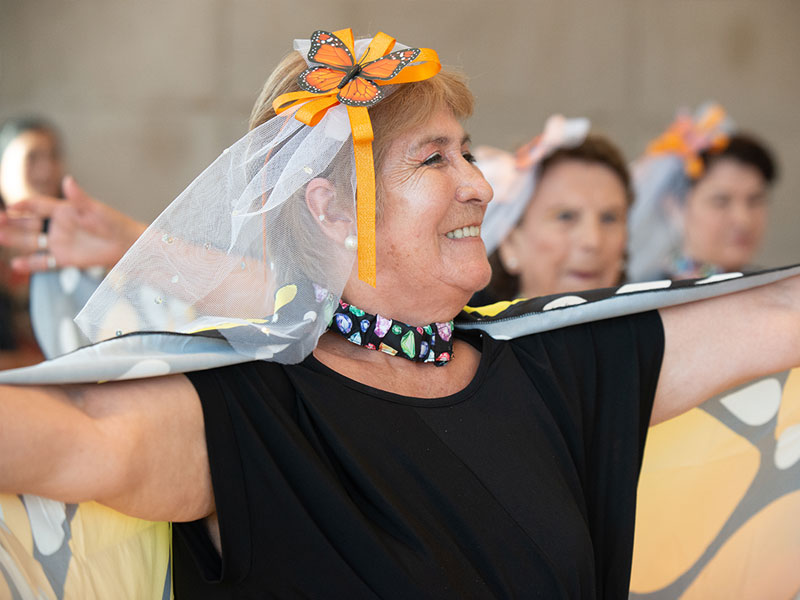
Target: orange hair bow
[[341, 79], [688, 138]]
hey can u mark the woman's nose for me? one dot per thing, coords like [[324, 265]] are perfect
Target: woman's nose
[[473, 187], [589, 234]]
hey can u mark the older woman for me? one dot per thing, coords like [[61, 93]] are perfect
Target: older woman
[[558, 220], [509, 470], [702, 193]]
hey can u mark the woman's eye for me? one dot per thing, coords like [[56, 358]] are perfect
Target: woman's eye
[[469, 157], [566, 216], [610, 218], [433, 159], [720, 201]]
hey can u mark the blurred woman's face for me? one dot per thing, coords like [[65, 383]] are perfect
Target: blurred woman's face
[[572, 236], [726, 215], [30, 165]]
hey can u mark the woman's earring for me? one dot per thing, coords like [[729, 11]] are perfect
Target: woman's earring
[[511, 263], [351, 242], [321, 218]]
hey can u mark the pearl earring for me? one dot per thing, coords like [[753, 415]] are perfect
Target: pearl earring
[[351, 242], [322, 218], [512, 263]]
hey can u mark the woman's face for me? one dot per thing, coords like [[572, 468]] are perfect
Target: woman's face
[[572, 236], [726, 215], [30, 165], [430, 256]]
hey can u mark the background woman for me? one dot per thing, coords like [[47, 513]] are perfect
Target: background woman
[[30, 163], [701, 199], [55, 232], [568, 230]]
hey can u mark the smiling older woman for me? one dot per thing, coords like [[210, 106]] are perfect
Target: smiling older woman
[[510, 471]]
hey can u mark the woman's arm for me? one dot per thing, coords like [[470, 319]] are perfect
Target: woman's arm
[[715, 344], [138, 447]]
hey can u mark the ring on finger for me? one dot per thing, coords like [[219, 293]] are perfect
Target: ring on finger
[[51, 262], [41, 241]]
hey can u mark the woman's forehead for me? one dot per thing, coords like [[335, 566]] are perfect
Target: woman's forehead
[[442, 129]]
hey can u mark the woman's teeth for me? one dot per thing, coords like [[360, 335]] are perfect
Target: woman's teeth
[[470, 231]]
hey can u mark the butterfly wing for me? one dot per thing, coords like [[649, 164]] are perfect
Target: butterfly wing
[[360, 92], [330, 51], [389, 65], [319, 80]]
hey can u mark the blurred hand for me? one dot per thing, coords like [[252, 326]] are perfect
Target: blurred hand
[[83, 232]]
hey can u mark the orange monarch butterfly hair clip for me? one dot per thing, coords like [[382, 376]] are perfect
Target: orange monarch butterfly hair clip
[[354, 80]]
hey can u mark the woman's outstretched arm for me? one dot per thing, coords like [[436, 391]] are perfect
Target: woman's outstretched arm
[[138, 447], [715, 344]]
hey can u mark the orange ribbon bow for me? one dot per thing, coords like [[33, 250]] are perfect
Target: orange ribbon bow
[[317, 102], [688, 138]]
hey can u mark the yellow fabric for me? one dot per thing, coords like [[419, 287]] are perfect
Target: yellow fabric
[[695, 472], [112, 552], [16, 553], [719, 509], [491, 310], [105, 554]]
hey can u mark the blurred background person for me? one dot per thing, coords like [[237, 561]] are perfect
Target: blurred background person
[[30, 160], [702, 192], [30, 163], [557, 222], [51, 229]]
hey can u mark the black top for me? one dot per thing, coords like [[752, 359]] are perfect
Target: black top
[[521, 485]]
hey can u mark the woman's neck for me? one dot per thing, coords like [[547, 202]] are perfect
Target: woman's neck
[[403, 377]]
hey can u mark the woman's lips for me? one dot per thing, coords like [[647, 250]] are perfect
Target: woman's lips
[[584, 275]]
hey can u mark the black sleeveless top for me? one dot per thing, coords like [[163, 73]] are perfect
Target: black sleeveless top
[[520, 485]]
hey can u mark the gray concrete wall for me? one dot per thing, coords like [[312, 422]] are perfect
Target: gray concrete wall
[[149, 92]]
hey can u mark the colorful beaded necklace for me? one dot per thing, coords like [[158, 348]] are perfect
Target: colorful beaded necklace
[[430, 344], [686, 268]]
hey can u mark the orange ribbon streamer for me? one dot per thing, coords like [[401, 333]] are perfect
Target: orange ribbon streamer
[[688, 138], [315, 105]]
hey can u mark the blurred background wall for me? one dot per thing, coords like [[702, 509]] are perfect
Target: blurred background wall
[[147, 93]]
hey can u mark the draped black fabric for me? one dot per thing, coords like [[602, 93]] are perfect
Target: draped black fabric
[[520, 485]]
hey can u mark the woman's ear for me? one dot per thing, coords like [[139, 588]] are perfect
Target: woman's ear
[[320, 199], [507, 251]]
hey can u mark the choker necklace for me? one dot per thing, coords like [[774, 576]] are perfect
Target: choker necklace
[[430, 344]]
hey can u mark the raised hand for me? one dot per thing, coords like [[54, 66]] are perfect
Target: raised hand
[[83, 232]]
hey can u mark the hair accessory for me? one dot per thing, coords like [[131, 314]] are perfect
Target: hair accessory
[[338, 77], [687, 137], [428, 344], [513, 176]]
